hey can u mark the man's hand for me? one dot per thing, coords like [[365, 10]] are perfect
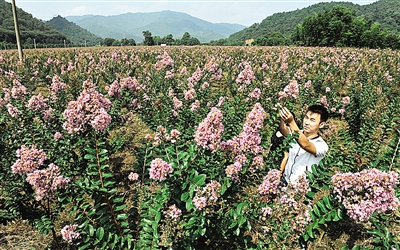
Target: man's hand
[[286, 116]]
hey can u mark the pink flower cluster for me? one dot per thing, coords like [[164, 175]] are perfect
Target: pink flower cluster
[[56, 86], [345, 100], [213, 68], [164, 61], [233, 170], [127, 83], [200, 202], [173, 212], [246, 75], [366, 192], [6, 97], [37, 102], [255, 94], [90, 108], [266, 211], [286, 202], [195, 77], [258, 162], [13, 111], [209, 132], [195, 105], [133, 176], [18, 90], [47, 181], [189, 94], [177, 103], [208, 195], [269, 187], [159, 169], [249, 139], [68, 233], [290, 91], [29, 160], [57, 136], [297, 188], [162, 135]]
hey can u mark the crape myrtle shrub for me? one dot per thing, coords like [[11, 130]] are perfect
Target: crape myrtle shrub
[[202, 175]]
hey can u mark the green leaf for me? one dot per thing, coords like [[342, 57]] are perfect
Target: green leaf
[[376, 231], [199, 179], [240, 207], [189, 204], [233, 224], [109, 183], [184, 196], [89, 157], [148, 229], [121, 207], [107, 175], [311, 194], [84, 246], [316, 211], [182, 154], [321, 205], [327, 202], [122, 217], [310, 231], [192, 220], [242, 220], [103, 151], [100, 233], [91, 230], [339, 215], [223, 189]]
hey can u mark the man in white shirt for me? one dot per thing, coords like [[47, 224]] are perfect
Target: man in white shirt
[[309, 147]]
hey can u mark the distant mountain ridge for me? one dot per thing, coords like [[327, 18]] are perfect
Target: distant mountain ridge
[[131, 25], [386, 12], [33, 31], [75, 33]]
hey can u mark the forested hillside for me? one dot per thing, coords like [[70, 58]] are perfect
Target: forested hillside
[[75, 33], [385, 12], [32, 30], [162, 23]]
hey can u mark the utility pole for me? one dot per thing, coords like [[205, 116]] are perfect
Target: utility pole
[[21, 55]]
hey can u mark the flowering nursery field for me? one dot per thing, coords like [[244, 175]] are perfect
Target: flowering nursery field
[[169, 148]]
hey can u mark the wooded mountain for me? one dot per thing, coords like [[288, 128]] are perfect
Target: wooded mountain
[[131, 25], [32, 30], [75, 33], [386, 12]]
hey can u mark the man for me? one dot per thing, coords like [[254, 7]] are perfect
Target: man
[[309, 147]]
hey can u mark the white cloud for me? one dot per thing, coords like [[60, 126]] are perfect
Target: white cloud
[[77, 11], [228, 11]]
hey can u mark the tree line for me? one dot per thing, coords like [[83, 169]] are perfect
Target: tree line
[[338, 27]]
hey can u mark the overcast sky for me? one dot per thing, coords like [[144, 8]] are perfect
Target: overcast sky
[[240, 12]]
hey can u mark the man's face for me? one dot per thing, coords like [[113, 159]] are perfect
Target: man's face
[[312, 123]]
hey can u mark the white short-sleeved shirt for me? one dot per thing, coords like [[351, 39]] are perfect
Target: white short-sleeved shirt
[[299, 160]]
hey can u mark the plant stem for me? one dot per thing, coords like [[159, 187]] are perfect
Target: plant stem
[[102, 185], [394, 155]]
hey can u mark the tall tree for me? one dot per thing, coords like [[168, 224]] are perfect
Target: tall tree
[[148, 39], [185, 39]]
